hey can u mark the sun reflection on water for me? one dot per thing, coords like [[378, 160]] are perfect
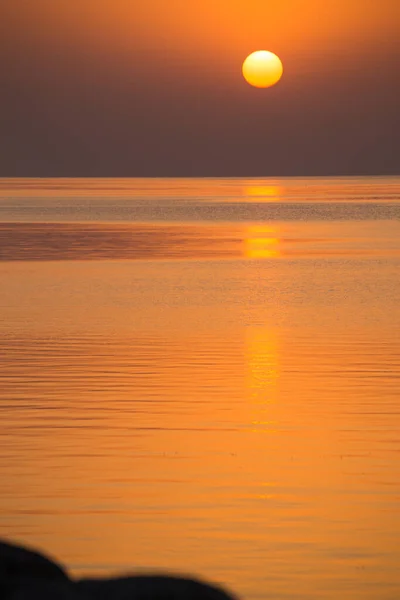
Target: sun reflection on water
[[262, 357], [261, 242], [267, 193]]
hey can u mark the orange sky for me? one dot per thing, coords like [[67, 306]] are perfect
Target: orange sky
[[212, 30], [153, 71]]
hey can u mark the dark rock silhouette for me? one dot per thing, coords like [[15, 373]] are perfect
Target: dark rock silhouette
[[28, 575]]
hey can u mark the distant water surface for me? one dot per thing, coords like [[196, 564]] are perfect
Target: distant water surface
[[203, 376]]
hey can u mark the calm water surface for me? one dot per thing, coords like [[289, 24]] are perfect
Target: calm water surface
[[203, 376]]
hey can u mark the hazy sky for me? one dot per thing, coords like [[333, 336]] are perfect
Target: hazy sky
[[154, 88]]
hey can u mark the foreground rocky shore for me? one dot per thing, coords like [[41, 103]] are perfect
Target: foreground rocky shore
[[26, 574]]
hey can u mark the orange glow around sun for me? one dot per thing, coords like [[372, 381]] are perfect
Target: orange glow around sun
[[262, 69]]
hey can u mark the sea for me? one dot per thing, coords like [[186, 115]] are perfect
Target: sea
[[202, 376]]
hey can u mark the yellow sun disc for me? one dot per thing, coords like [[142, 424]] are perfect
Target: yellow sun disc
[[262, 69]]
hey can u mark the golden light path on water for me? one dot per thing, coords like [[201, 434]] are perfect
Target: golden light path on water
[[261, 242]]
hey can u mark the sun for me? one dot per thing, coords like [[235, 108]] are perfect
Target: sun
[[262, 69]]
